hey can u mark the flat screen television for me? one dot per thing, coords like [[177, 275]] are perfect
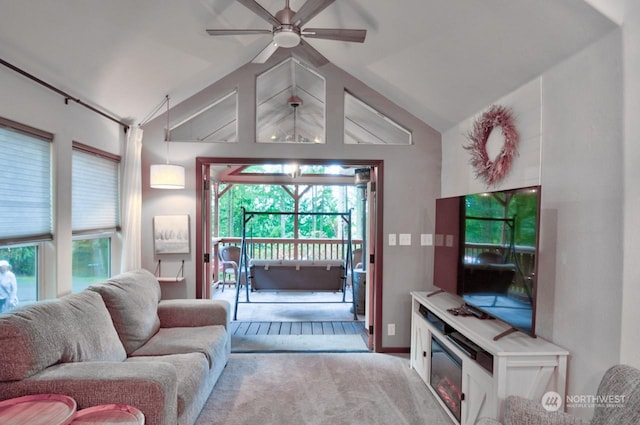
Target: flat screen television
[[486, 251]]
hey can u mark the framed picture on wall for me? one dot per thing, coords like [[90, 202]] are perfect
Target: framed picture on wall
[[171, 234]]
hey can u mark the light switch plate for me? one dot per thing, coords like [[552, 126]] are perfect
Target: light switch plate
[[405, 239], [449, 241], [426, 239], [392, 239]]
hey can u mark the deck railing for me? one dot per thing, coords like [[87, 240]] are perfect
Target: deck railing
[[523, 256], [294, 249]]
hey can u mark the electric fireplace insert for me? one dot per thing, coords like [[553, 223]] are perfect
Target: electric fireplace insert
[[446, 377]]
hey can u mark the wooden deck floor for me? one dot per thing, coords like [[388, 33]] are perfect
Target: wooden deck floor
[[297, 328]]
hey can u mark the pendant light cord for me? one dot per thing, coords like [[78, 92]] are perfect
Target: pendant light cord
[[151, 115], [167, 132]]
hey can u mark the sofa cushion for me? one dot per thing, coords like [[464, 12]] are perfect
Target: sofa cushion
[[74, 328], [132, 299], [192, 369], [208, 340], [149, 386]]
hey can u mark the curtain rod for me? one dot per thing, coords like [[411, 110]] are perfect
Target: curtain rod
[[64, 94]]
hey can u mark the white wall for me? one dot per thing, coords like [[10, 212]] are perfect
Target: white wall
[[411, 181], [31, 104], [458, 176], [576, 153], [582, 179], [630, 344], [612, 9]]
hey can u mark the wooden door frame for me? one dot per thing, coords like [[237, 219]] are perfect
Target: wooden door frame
[[203, 274]]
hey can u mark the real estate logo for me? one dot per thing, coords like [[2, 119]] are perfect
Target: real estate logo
[[551, 401], [601, 400]]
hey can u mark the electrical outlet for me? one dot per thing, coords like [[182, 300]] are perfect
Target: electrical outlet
[[391, 329], [426, 239]]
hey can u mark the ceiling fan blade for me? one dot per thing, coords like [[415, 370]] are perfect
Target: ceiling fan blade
[[356, 36], [266, 53], [255, 7], [308, 53], [237, 32], [308, 10]]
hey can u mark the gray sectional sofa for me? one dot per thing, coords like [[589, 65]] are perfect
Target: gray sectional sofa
[[117, 342], [617, 402]]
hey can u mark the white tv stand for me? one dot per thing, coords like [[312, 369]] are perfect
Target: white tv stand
[[515, 364]]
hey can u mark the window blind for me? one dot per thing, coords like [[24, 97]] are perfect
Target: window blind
[[95, 192], [25, 185]]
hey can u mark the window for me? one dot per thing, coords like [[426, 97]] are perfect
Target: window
[[365, 125], [290, 104], [217, 122], [91, 262], [95, 214], [25, 184], [23, 263]]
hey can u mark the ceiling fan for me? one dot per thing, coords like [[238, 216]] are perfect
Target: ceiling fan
[[287, 31]]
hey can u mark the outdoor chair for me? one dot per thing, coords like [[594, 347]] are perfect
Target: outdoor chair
[[229, 256]]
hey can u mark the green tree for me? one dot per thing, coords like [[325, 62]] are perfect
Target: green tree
[[274, 198], [22, 259], [519, 206]]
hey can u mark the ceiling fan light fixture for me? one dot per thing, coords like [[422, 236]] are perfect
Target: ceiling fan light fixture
[[286, 30], [286, 37]]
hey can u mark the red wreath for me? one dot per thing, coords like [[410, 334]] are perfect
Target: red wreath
[[493, 171]]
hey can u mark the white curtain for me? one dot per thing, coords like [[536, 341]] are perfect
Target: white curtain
[[132, 202]]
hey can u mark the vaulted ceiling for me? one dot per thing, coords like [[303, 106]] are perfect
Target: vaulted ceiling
[[442, 60]]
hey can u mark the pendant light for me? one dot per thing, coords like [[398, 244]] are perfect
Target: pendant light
[[166, 176]]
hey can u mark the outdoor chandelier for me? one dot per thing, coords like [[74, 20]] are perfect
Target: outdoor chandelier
[[293, 170], [166, 176]]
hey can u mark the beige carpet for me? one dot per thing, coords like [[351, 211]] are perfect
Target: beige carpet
[[320, 389]]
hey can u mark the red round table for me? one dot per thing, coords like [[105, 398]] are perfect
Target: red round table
[[113, 414], [38, 409]]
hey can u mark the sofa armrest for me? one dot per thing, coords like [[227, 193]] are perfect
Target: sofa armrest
[[519, 410], [150, 386], [184, 313]]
